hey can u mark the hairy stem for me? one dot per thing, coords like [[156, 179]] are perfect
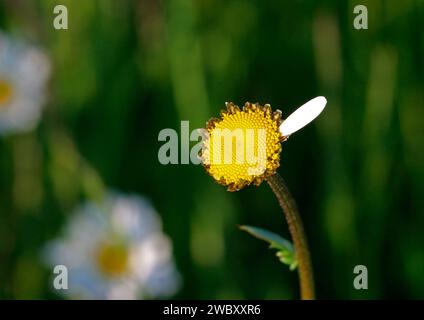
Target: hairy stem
[[287, 203]]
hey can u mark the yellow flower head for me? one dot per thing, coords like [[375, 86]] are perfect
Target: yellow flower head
[[243, 146], [112, 259], [6, 92]]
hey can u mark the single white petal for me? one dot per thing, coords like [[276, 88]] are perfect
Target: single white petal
[[303, 115]]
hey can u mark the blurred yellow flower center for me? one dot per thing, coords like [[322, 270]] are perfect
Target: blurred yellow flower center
[[6, 92], [112, 259], [243, 146]]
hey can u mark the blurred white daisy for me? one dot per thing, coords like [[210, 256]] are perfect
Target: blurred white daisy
[[23, 75], [115, 250]]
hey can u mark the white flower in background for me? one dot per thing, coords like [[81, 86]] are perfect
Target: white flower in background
[[115, 250], [23, 75]]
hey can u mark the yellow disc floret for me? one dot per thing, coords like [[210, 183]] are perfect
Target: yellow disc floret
[[5, 92], [112, 259], [243, 146]]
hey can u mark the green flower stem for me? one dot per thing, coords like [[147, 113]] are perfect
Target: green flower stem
[[287, 203]]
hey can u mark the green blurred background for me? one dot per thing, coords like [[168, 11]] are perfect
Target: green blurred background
[[124, 70]]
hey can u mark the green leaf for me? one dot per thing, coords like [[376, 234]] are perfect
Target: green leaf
[[285, 249]]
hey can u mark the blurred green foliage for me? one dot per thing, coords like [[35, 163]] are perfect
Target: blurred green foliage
[[124, 70]]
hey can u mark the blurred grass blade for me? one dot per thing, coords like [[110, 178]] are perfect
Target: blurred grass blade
[[285, 248]]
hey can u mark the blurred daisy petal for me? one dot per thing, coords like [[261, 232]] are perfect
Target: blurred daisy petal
[[24, 71]]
